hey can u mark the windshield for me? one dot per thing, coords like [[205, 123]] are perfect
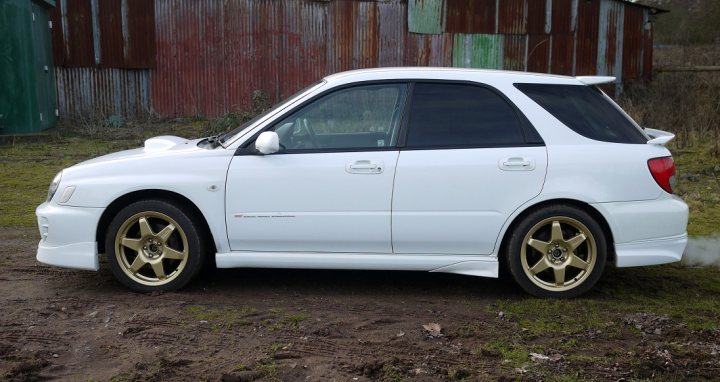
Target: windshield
[[245, 127]]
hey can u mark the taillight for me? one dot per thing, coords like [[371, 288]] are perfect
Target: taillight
[[663, 170]]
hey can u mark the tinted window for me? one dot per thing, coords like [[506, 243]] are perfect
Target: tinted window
[[362, 117], [586, 110], [458, 115]]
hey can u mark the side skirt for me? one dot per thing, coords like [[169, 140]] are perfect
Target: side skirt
[[485, 266]]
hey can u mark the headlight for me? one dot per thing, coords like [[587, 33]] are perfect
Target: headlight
[[54, 186]]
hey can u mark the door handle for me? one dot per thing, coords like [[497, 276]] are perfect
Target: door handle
[[516, 164], [364, 167]]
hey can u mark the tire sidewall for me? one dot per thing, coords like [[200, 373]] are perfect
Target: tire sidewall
[[194, 238], [517, 241]]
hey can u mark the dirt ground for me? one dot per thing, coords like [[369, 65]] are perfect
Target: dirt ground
[[245, 324]]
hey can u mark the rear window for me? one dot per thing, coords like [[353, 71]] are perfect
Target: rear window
[[586, 110], [458, 115]]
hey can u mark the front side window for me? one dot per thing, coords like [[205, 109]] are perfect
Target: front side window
[[362, 117], [446, 115], [585, 110]]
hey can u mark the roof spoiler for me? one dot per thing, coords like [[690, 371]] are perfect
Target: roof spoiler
[[595, 80], [658, 137]]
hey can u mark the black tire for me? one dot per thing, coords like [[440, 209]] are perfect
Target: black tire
[[539, 273], [140, 237]]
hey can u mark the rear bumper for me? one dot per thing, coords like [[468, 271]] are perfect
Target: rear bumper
[[650, 252], [68, 236], [647, 232]]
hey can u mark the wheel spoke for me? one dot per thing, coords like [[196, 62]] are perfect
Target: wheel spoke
[[538, 245], [559, 276], [174, 254], [577, 262], [164, 235], [145, 229], [133, 244], [137, 264], [556, 233], [576, 241], [158, 269], [539, 266]]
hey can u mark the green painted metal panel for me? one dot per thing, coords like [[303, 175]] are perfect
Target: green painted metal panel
[[27, 87], [45, 75], [478, 51], [426, 16]]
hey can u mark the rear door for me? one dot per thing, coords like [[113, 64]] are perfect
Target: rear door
[[469, 159]]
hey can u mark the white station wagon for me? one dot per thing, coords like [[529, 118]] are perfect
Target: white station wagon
[[427, 169]]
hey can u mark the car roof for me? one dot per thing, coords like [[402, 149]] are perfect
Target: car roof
[[443, 73]]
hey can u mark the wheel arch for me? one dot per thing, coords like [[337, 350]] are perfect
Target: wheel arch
[[599, 218], [174, 198]]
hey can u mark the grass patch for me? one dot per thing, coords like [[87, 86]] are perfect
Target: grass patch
[[270, 371], [225, 318], [698, 183], [548, 317], [283, 319]]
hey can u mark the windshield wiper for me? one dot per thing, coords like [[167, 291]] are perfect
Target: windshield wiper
[[215, 139]]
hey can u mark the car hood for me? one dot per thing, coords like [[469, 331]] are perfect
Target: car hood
[[153, 147]]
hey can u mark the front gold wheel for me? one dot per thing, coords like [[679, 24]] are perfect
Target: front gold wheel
[[151, 248], [153, 245]]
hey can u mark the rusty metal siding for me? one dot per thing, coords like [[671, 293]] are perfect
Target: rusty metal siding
[[562, 53], [210, 55], [512, 17], [633, 29], [139, 35], [211, 68], [562, 20], [647, 52], [391, 33], [57, 35], [77, 15], [586, 42], [98, 92], [426, 16], [477, 16], [538, 56], [609, 61], [536, 10], [514, 51], [111, 38]]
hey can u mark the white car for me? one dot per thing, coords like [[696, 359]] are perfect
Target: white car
[[427, 169]]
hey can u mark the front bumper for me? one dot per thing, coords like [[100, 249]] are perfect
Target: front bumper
[[68, 236]]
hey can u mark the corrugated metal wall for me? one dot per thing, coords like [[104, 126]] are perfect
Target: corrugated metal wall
[[205, 57]]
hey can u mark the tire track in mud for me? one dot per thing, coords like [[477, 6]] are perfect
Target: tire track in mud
[[26, 335]]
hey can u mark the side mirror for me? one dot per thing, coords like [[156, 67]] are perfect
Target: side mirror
[[267, 143]]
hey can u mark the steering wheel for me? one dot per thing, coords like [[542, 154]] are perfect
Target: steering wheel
[[309, 131]]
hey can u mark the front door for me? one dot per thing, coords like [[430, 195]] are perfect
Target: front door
[[329, 188]]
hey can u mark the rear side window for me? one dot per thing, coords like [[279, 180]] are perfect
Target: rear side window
[[586, 110], [460, 115]]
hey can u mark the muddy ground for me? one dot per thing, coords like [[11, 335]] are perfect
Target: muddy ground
[[245, 324]]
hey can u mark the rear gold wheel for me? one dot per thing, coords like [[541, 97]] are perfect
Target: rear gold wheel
[[153, 245], [557, 251]]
